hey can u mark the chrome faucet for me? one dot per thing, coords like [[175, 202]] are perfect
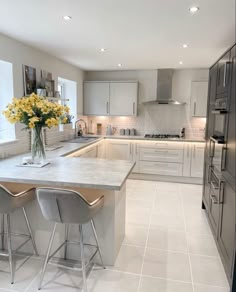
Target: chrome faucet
[[85, 127]]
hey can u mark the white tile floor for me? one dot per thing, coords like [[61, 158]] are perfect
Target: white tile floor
[[168, 248]]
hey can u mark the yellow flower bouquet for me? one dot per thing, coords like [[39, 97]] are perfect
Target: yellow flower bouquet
[[36, 113]]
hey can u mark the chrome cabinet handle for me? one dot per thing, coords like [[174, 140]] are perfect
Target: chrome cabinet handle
[[209, 174], [194, 108], [107, 107], [212, 149], [224, 80], [223, 158]]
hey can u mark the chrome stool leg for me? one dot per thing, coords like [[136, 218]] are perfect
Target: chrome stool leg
[[2, 232], [10, 247], [66, 240], [30, 231], [47, 255], [98, 245], [83, 258]]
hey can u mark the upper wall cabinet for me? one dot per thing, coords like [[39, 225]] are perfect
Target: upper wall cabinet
[[110, 98], [123, 98], [96, 98], [199, 98]]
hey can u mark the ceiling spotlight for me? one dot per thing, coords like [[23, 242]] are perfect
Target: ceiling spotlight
[[102, 50], [181, 62], [194, 9], [119, 65], [67, 17], [185, 46]]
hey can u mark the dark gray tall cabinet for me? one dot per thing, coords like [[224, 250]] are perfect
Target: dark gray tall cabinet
[[221, 213]]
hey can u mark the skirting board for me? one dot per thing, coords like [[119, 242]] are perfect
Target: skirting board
[[176, 179]]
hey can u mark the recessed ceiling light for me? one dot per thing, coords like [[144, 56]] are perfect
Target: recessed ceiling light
[[185, 46], [194, 9], [119, 65], [67, 17], [102, 50], [181, 62]]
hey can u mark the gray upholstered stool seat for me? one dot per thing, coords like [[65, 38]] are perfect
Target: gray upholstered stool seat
[[69, 207], [10, 202]]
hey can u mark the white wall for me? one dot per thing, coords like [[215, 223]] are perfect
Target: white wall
[[18, 54], [154, 118]]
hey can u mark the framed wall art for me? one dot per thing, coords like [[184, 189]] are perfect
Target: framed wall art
[[29, 79]]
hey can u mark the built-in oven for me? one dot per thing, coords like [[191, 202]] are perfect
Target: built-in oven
[[217, 154], [220, 118]]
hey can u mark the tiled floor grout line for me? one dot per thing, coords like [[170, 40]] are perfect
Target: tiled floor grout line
[[146, 243], [185, 227]]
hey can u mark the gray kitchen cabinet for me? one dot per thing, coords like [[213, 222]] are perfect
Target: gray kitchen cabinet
[[110, 98], [123, 98], [226, 237], [197, 160], [119, 150], [199, 98], [96, 98], [193, 160]]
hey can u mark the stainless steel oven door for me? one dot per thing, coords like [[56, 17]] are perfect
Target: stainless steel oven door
[[218, 154]]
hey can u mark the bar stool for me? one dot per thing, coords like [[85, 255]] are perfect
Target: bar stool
[[69, 207], [9, 203]]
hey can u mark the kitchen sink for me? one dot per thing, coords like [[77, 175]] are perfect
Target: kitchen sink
[[81, 140]]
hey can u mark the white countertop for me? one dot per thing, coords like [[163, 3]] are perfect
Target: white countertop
[[68, 171]]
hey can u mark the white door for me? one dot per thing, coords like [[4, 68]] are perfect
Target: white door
[[119, 150], [197, 160], [199, 98], [96, 98], [123, 98]]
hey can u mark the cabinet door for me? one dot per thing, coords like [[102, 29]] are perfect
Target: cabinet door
[[101, 150], [123, 98], [91, 153], [96, 98], [197, 159], [199, 98], [223, 74], [206, 185], [229, 172], [119, 150], [227, 227]]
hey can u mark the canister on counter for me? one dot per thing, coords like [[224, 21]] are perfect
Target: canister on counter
[[133, 132], [122, 132], [127, 132]]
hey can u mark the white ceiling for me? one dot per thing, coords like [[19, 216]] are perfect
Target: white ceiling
[[140, 34]]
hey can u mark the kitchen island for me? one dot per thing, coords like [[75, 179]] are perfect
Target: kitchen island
[[92, 178]]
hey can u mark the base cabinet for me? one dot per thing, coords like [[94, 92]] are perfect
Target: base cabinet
[[193, 159]]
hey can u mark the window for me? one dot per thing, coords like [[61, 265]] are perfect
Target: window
[[7, 130], [68, 90]]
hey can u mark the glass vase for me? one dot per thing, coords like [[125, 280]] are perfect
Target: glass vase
[[37, 145]]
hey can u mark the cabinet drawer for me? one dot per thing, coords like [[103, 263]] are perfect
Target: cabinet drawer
[[162, 145], [161, 168], [169, 155]]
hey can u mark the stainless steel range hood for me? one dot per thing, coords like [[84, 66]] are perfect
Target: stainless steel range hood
[[164, 89]]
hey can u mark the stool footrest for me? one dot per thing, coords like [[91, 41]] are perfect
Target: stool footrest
[[71, 242]]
